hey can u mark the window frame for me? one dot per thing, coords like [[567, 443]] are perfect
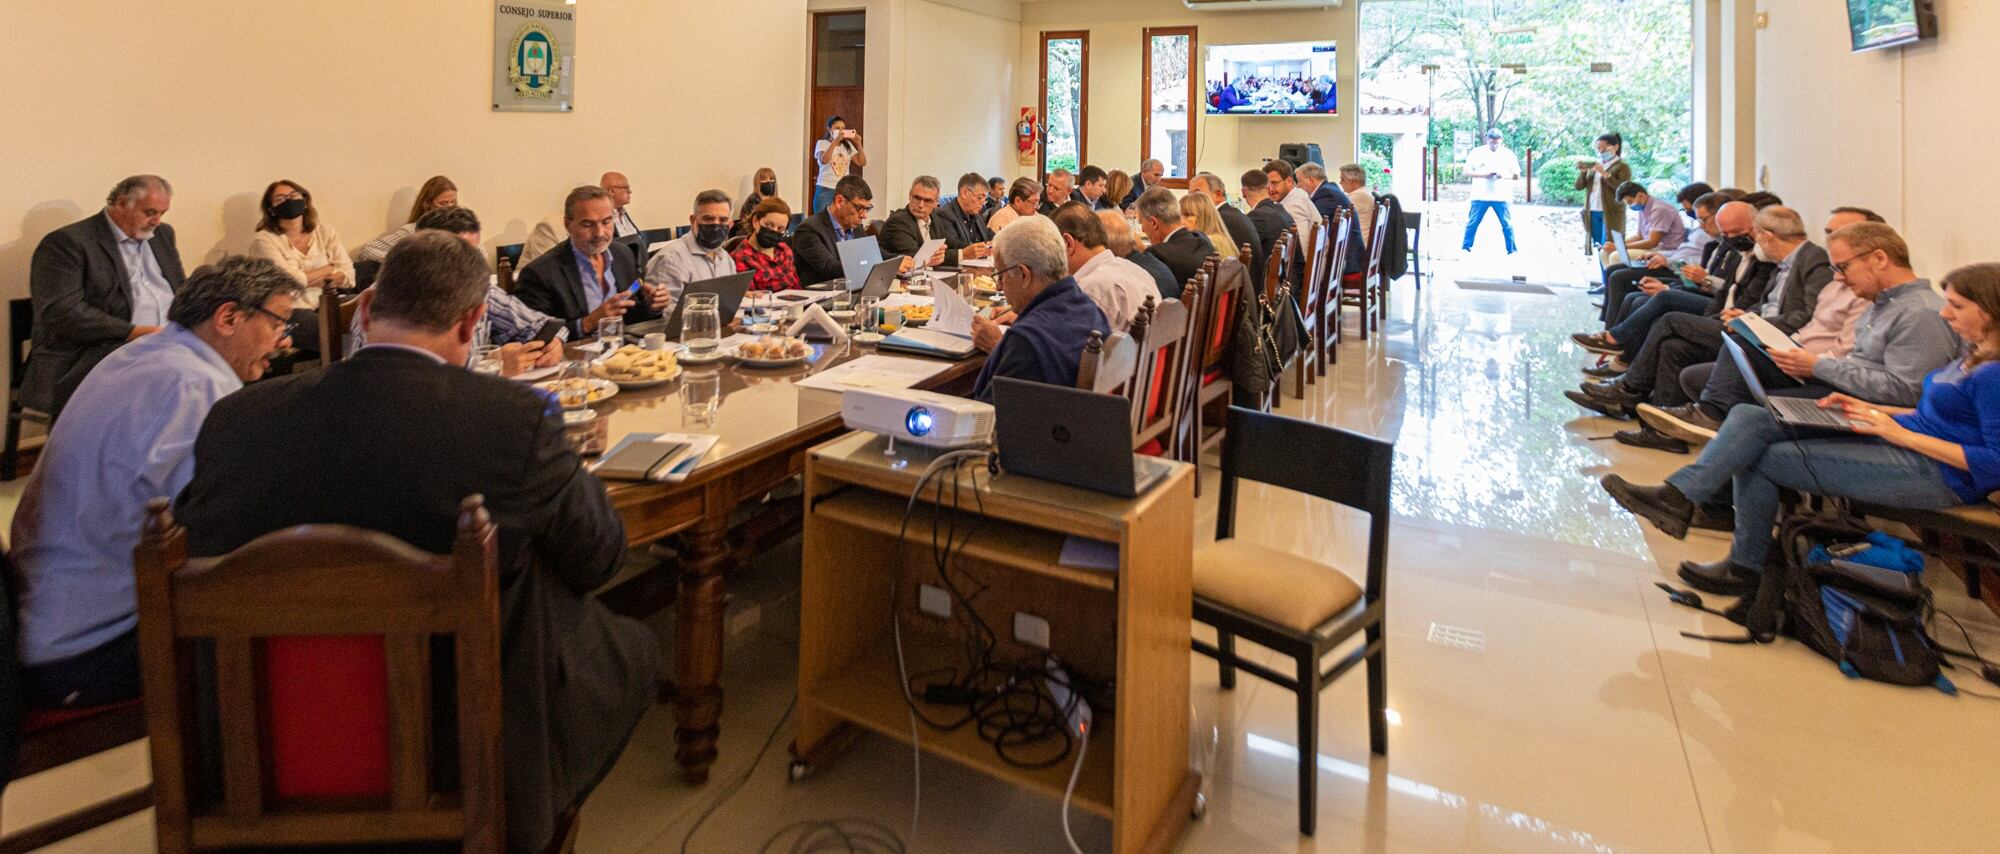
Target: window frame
[[1146, 97], [1082, 98]]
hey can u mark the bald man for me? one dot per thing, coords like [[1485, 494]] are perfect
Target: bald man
[[620, 189]]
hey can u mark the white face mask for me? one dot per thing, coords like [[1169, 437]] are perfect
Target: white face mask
[[1604, 157]]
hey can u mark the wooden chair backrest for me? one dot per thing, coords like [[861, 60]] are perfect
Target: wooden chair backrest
[[306, 584], [1341, 228], [1375, 250], [1106, 368], [1274, 266], [1216, 312], [1156, 403], [336, 316], [506, 261], [1312, 291]]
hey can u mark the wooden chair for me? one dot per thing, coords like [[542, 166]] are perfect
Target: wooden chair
[[655, 237], [43, 739], [1317, 339], [506, 260], [280, 613], [1156, 400], [336, 316], [1968, 536], [1275, 288], [1376, 279], [1333, 292], [1216, 316], [1106, 368], [20, 342], [1354, 286], [1292, 605], [1414, 222]]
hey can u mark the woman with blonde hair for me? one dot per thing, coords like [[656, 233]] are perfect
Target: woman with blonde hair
[[437, 193], [1198, 212], [1117, 186], [763, 185]]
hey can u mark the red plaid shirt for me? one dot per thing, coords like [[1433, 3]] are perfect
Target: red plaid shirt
[[774, 272]]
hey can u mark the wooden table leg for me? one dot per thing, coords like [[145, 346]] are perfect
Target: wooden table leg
[[698, 703]]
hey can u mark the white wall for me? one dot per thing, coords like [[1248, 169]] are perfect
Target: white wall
[[362, 100], [1903, 132], [1226, 146]]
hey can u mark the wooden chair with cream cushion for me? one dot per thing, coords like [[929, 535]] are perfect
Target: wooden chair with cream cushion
[[1290, 604]]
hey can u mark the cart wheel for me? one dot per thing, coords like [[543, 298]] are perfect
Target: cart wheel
[[1200, 805], [800, 770]]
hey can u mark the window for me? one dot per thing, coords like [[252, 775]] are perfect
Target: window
[[1065, 99], [1167, 125]]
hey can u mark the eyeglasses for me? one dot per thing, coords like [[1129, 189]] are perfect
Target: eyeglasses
[[286, 323], [921, 200], [1841, 266], [863, 207]]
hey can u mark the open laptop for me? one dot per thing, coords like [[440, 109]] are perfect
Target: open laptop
[[1070, 436], [858, 256], [1623, 255], [881, 277], [1794, 411], [729, 291]]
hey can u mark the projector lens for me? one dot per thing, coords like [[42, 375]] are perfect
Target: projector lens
[[918, 422]]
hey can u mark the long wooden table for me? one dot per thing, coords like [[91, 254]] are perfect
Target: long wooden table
[[765, 424]]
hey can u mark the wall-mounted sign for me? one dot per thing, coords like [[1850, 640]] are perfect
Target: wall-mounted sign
[[534, 56]]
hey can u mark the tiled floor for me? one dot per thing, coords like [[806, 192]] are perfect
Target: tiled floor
[[1543, 698]]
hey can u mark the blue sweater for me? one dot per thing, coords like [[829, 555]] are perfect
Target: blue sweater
[[1046, 341], [1963, 408]]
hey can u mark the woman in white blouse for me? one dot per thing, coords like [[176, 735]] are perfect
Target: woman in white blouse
[[291, 235]]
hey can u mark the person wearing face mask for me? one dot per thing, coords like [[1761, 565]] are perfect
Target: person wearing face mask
[[292, 236], [908, 229], [98, 283], [1628, 287], [1733, 223], [763, 185], [836, 153], [697, 256], [1660, 227], [765, 254], [1599, 180]]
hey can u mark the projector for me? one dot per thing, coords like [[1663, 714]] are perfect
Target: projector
[[926, 418]]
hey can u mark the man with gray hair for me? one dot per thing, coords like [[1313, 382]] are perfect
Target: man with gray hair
[[1182, 249], [908, 229], [1150, 173], [696, 256], [98, 283], [1060, 191], [586, 279], [1053, 317], [1242, 231], [1118, 238], [1023, 200], [1330, 200], [399, 434], [130, 439]]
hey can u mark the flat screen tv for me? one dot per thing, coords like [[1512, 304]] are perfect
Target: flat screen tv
[[1876, 24], [1281, 79]]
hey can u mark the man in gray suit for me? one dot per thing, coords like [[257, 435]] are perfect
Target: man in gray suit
[[97, 284]]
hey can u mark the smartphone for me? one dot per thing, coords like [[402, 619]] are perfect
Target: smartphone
[[548, 332], [632, 293]]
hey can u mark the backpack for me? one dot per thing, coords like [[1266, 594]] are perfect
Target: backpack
[[1855, 596]]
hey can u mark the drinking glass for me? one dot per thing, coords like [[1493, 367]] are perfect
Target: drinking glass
[[701, 397], [701, 324], [864, 315], [573, 389], [486, 360], [610, 335]]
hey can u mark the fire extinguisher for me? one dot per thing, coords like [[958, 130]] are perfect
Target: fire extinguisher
[[1027, 135]]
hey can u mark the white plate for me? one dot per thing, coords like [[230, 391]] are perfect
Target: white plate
[[599, 372], [609, 388], [868, 338], [771, 363], [687, 357]]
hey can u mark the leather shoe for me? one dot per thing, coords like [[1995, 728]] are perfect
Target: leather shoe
[[1714, 517], [1646, 437], [1662, 505], [1596, 290], [1606, 371], [1614, 392], [1596, 342], [1598, 406], [1721, 578], [1688, 422]]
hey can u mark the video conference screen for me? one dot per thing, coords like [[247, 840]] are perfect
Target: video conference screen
[[1284, 79]]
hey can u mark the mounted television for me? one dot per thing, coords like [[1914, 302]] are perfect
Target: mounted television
[[1280, 79], [1876, 24]]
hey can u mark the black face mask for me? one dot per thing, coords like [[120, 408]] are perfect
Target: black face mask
[[769, 238], [711, 235], [1740, 242], [289, 209], [767, 189]]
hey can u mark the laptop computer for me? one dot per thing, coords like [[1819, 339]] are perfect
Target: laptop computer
[[1793, 411], [729, 291], [1070, 436], [881, 277], [857, 256], [1623, 255]]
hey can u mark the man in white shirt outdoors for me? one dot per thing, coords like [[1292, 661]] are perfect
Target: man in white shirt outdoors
[[620, 189], [1119, 287], [1493, 169], [696, 256], [129, 440], [1285, 190]]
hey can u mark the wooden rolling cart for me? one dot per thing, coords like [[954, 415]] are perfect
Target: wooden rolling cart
[[1131, 625]]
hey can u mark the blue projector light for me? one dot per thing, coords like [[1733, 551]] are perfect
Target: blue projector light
[[919, 421]]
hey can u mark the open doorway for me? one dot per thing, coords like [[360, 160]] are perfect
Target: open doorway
[[839, 83]]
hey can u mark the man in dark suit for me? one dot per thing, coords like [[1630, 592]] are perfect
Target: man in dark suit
[[585, 279], [813, 244], [1242, 231], [962, 221], [1181, 249], [97, 284], [1059, 191], [906, 230], [1091, 182], [1150, 173], [1118, 238], [1270, 218], [1330, 199], [393, 438]]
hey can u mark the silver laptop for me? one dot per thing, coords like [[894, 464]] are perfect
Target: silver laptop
[[1070, 436], [1618, 242], [857, 256], [1794, 411]]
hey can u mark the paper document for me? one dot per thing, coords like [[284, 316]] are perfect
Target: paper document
[[928, 251], [1766, 336], [983, 263], [953, 315], [929, 340], [875, 371]]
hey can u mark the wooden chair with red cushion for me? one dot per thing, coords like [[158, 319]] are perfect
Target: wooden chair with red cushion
[[1215, 319], [1355, 287], [323, 687], [1156, 403], [1106, 368]]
